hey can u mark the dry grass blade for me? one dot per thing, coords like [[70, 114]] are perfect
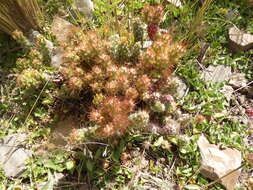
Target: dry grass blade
[[21, 15], [218, 180], [197, 21]]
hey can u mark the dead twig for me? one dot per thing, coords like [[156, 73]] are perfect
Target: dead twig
[[69, 184], [238, 89]]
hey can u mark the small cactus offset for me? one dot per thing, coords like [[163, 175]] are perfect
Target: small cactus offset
[[153, 14], [138, 30], [160, 59]]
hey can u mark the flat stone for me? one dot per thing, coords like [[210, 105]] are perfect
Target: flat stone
[[216, 163], [238, 80], [13, 156], [218, 73], [240, 40], [147, 44]]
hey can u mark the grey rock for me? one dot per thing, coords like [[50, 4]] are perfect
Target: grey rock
[[216, 163], [147, 44], [240, 40], [238, 80], [34, 35], [12, 155], [181, 87], [85, 6], [63, 30], [218, 73], [177, 3], [57, 58], [55, 53]]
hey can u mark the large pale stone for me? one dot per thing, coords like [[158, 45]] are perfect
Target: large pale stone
[[12, 155], [218, 73], [216, 163], [63, 30], [240, 40]]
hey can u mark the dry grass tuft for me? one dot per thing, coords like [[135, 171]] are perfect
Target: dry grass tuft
[[21, 15], [197, 22]]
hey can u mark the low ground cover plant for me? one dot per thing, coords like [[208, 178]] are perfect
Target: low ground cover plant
[[116, 84]]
